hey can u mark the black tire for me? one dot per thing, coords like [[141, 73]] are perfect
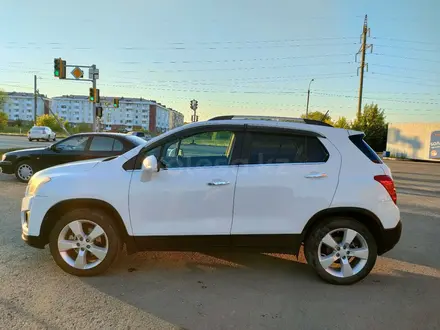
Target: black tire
[[54, 139], [311, 247], [105, 222], [18, 175], [30, 140]]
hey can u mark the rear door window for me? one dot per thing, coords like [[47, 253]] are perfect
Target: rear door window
[[104, 143], [267, 148]]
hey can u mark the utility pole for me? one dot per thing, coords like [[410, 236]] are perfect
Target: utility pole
[[35, 99], [362, 50], [308, 98], [94, 103]]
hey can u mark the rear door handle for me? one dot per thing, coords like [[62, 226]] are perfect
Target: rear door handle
[[218, 183], [315, 175]]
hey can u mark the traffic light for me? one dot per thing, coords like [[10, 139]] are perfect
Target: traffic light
[[56, 67], [116, 103], [99, 112], [62, 69], [193, 104], [92, 95]]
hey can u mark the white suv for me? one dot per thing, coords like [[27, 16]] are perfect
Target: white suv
[[229, 183]]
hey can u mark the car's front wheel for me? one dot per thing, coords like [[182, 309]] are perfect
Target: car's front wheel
[[341, 250], [85, 242], [24, 171]]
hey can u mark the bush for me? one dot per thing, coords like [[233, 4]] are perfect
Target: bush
[[51, 122], [3, 120]]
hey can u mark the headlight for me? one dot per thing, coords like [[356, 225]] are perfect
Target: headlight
[[35, 184], [3, 157]]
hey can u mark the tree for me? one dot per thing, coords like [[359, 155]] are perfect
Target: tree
[[318, 115], [3, 98], [372, 123], [49, 121], [3, 119], [342, 122]]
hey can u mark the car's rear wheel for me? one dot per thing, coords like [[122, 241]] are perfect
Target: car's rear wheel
[[85, 242], [24, 171], [341, 250]]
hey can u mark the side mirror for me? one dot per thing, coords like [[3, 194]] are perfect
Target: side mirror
[[53, 147], [149, 166]]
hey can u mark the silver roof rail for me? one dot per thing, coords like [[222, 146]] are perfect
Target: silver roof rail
[[273, 118]]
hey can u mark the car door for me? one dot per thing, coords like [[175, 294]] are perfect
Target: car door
[[71, 149], [104, 146], [193, 193], [286, 179]]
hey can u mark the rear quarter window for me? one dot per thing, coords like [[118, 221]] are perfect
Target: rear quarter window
[[359, 142]]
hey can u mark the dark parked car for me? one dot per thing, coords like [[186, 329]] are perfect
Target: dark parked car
[[140, 134], [24, 163]]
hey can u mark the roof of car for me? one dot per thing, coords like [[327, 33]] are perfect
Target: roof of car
[[321, 129], [102, 133]]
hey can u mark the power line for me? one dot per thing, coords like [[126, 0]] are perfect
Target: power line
[[406, 77], [406, 57], [128, 48], [404, 82], [408, 41], [378, 99], [207, 42], [406, 69], [410, 48], [248, 60]]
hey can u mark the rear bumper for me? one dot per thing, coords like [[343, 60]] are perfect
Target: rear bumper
[[6, 167], [390, 238]]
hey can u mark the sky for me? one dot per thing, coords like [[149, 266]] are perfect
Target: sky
[[235, 57]]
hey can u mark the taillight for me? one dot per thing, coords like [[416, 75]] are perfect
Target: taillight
[[388, 184]]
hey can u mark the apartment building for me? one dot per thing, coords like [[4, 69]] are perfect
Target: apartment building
[[21, 106], [132, 113]]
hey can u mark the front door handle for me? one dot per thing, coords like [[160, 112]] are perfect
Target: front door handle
[[315, 175], [218, 183]]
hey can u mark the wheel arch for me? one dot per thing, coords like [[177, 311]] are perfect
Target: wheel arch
[[364, 216], [19, 160], [55, 212]]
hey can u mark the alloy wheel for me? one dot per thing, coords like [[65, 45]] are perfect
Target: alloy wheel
[[83, 244], [343, 252]]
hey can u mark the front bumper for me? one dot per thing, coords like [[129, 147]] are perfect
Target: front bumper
[[390, 238], [34, 241], [6, 167]]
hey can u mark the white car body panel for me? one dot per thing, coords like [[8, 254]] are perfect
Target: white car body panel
[[179, 201], [279, 198], [85, 179]]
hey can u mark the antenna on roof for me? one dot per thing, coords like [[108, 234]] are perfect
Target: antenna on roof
[[325, 116]]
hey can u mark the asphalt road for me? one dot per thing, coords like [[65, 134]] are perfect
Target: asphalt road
[[11, 141], [229, 291]]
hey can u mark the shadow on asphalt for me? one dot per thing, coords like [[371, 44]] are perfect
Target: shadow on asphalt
[[266, 291]]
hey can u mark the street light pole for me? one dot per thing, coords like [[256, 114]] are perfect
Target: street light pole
[[308, 98]]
